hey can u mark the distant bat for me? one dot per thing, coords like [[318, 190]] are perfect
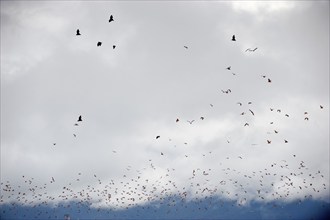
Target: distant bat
[[111, 18], [251, 50], [190, 122], [226, 91]]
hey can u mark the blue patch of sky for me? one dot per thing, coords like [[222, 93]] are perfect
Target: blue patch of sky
[[174, 208]]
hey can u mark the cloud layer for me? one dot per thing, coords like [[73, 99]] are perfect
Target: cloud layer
[[129, 95]]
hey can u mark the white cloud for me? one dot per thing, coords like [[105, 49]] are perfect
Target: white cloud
[[263, 7], [29, 36]]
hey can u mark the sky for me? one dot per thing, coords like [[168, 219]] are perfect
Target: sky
[[258, 132]]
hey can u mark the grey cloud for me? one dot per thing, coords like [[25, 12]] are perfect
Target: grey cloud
[[129, 95]]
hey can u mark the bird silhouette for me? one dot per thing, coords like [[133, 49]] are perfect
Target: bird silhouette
[[202, 118], [228, 68], [321, 107], [177, 120], [268, 141], [157, 136], [79, 118], [269, 80], [185, 47], [251, 112], [78, 32], [226, 91], [111, 18], [113, 46], [251, 50], [233, 38], [190, 122], [99, 44]]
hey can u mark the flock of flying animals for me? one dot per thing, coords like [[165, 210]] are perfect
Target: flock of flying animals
[[135, 188]]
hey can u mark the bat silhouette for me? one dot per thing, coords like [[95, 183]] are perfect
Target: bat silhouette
[[111, 18]]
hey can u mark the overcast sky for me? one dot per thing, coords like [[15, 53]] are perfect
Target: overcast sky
[[129, 95]]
